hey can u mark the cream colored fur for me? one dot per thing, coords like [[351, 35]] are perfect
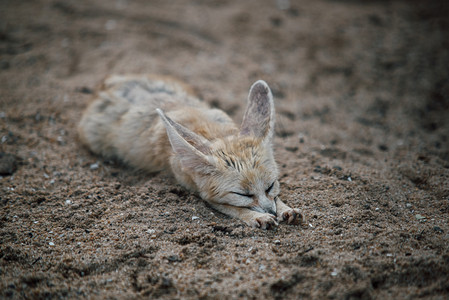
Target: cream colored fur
[[156, 123]]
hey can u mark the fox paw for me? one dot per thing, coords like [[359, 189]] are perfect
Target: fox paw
[[291, 216], [265, 221]]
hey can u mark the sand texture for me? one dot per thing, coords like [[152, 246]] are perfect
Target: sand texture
[[362, 142]]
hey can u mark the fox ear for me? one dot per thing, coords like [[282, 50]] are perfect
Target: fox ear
[[190, 147], [258, 120]]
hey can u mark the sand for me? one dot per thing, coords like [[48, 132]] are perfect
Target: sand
[[362, 142]]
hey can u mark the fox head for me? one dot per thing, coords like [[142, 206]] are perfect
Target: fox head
[[237, 170]]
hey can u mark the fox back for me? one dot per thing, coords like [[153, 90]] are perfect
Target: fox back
[[122, 123]]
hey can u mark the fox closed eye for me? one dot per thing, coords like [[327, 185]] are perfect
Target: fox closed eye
[[270, 188], [243, 195]]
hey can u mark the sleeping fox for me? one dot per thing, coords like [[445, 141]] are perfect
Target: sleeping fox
[[156, 123]]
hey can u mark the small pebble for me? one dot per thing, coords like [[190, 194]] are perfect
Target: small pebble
[[51, 243], [438, 229], [420, 217], [68, 201], [408, 205], [8, 162], [173, 258]]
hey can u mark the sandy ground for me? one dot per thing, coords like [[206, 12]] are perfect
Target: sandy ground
[[362, 142]]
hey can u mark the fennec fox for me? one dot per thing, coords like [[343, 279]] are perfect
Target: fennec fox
[[155, 123]]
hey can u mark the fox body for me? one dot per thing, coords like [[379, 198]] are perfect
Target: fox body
[[157, 123]]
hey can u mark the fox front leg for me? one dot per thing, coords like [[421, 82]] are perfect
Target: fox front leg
[[250, 217], [287, 214]]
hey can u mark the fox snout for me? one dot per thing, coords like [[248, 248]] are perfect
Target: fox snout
[[266, 206], [272, 209]]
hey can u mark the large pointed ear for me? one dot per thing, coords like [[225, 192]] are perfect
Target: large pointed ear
[[258, 120], [192, 149]]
